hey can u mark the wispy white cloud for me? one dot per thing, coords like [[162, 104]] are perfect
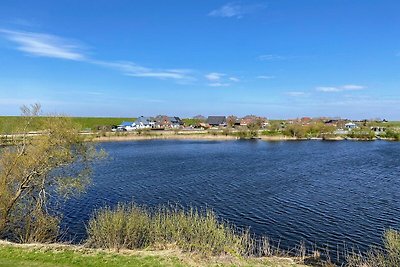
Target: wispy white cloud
[[217, 79], [351, 87], [265, 77], [217, 84], [296, 93], [335, 89], [328, 89], [214, 76], [135, 70], [44, 45], [271, 57], [235, 10]]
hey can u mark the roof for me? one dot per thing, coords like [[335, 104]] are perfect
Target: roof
[[143, 120], [216, 120], [126, 123], [175, 120]]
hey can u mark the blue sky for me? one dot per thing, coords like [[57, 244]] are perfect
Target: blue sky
[[276, 58]]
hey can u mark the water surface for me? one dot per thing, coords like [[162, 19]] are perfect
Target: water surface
[[327, 193]]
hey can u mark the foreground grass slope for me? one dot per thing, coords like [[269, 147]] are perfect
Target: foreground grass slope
[[56, 255]]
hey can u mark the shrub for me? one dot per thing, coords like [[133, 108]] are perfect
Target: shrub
[[122, 227], [133, 227], [362, 134], [392, 134]]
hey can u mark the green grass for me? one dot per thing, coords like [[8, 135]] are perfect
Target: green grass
[[18, 256], [12, 255], [91, 122], [9, 124]]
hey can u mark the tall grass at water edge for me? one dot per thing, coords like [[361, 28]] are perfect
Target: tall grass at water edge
[[134, 227]]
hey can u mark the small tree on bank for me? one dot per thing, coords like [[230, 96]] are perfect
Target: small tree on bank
[[38, 172]]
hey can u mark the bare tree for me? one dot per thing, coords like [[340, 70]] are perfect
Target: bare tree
[[231, 120], [36, 172]]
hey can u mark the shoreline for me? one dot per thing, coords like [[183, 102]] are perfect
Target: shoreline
[[211, 137], [206, 137], [169, 135]]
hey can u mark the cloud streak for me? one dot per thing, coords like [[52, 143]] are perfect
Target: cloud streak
[[51, 46], [44, 45], [336, 89], [296, 94], [214, 76], [265, 77], [217, 84], [235, 10], [271, 57], [217, 79], [132, 69]]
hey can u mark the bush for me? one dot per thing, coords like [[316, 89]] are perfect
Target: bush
[[133, 227], [392, 134], [123, 227], [362, 134], [39, 172], [271, 133]]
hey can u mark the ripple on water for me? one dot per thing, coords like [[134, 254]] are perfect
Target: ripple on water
[[326, 193]]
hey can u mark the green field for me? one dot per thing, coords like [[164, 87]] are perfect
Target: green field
[[68, 256], [9, 124]]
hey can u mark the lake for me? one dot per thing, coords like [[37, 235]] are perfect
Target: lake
[[326, 193]]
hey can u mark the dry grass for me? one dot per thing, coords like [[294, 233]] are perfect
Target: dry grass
[[389, 256], [134, 227]]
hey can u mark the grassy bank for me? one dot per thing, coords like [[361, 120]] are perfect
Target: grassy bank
[[10, 124], [57, 255]]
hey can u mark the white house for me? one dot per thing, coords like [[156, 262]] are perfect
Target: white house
[[143, 123], [126, 126], [351, 125]]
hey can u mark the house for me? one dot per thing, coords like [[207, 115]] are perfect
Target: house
[[144, 123], [126, 126], [378, 129], [252, 119], [248, 120], [331, 122], [163, 121], [176, 122], [305, 120], [351, 125], [214, 121]]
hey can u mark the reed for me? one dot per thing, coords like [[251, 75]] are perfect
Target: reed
[[192, 230], [389, 256]]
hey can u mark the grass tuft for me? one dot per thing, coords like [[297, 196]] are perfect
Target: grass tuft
[[191, 230]]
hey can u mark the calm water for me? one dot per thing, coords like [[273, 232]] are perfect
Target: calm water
[[326, 193]]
